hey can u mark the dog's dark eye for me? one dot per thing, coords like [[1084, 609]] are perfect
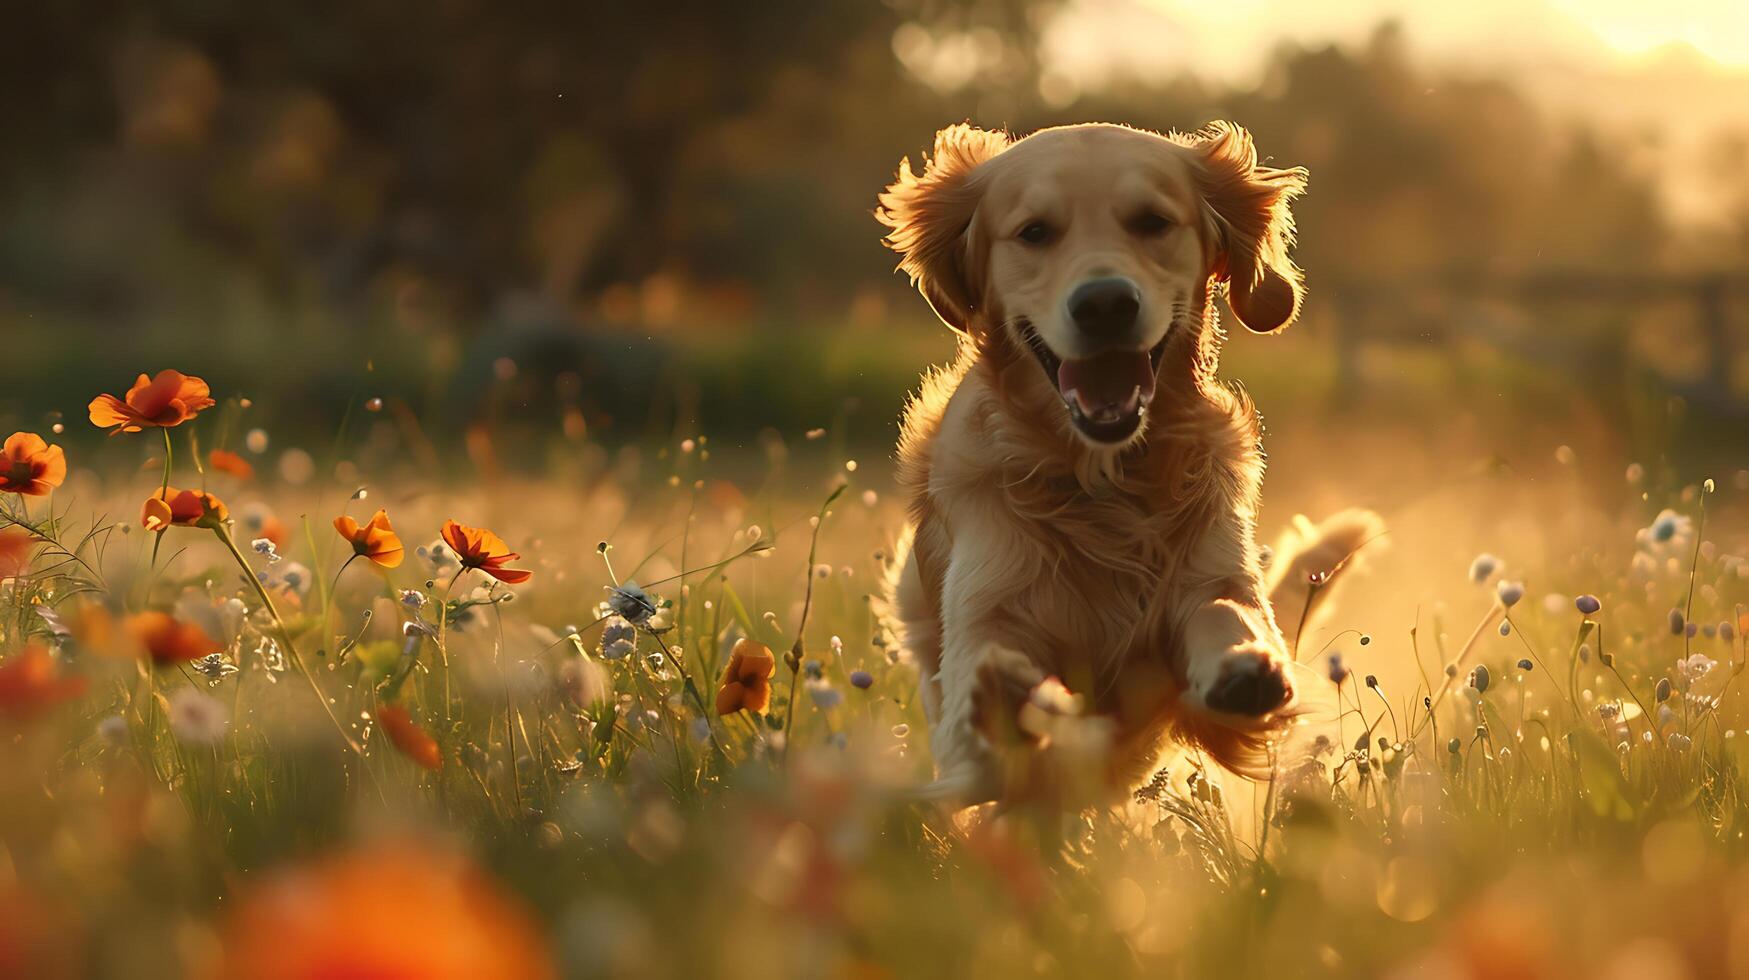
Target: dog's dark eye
[[1036, 233], [1150, 224]]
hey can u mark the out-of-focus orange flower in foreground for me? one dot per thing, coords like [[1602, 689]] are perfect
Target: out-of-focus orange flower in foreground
[[374, 539], [747, 680], [167, 400], [31, 682], [226, 461], [15, 548], [402, 912], [481, 549], [30, 466], [182, 508], [407, 736], [168, 640]]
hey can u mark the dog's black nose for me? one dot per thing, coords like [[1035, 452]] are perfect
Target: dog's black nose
[[1105, 308]]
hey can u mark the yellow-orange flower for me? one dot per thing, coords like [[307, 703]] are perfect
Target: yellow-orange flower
[[167, 400], [747, 680], [396, 911], [414, 742], [30, 466], [226, 461], [168, 640], [375, 540], [481, 549], [31, 682], [182, 508]]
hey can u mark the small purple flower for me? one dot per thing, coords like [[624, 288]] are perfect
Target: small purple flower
[[862, 680], [1678, 624], [1587, 604], [1483, 568]]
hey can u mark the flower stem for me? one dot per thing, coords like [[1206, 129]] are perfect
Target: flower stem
[[163, 494], [291, 648]]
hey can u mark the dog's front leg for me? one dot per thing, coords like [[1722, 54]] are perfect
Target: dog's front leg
[[985, 673], [1235, 662]]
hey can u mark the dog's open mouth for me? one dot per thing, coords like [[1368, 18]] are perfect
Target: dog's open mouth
[[1106, 394]]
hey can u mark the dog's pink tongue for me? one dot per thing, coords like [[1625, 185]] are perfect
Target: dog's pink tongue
[[1110, 382]]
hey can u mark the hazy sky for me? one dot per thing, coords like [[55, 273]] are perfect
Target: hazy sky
[[1231, 39]]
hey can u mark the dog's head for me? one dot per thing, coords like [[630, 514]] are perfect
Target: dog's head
[[1090, 245]]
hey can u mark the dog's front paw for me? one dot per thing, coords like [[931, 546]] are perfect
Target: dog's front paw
[[1251, 685]]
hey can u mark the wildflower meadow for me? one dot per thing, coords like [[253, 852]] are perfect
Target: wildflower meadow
[[280, 712]]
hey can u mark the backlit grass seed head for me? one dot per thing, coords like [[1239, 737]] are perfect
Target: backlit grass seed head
[[1338, 672], [1510, 593], [1505, 628], [1479, 678], [1662, 692], [1483, 568]]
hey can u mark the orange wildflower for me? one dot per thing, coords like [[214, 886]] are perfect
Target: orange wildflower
[[167, 400], [168, 640], [375, 540], [226, 461], [30, 466], [31, 682], [407, 736], [395, 911], [481, 549], [747, 680], [182, 508]]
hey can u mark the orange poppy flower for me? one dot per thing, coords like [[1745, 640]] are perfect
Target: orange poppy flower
[[399, 910], [481, 549], [747, 680], [182, 508], [226, 461], [167, 400], [31, 682], [30, 466], [375, 540], [407, 736], [168, 640]]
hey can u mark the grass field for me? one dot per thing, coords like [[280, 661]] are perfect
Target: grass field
[[243, 742]]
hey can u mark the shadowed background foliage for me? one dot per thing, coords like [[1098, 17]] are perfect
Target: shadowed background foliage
[[591, 221]]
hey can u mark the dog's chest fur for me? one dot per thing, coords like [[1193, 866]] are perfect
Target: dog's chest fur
[[1076, 554]]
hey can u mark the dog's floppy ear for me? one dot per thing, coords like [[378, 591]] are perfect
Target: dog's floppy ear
[[1245, 211], [930, 215]]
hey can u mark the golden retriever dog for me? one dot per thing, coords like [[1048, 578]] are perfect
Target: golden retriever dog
[[1082, 488]]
